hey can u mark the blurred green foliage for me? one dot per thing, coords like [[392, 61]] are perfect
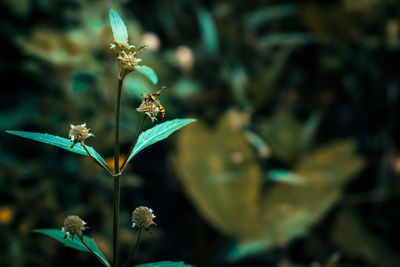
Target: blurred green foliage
[[284, 92]]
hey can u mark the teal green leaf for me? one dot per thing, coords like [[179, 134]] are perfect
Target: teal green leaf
[[258, 143], [164, 264], [119, 30], [239, 251], [75, 243], [209, 31], [285, 176], [135, 85], [58, 141], [287, 39], [148, 72], [81, 81], [262, 16], [158, 133]]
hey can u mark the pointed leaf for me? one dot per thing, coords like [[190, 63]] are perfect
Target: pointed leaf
[[209, 31], [285, 176], [58, 141], [119, 30], [158, 133], [148, 72], [75, 243], [164, 264]]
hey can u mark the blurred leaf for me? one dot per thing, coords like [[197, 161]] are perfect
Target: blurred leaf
[[353, 237], [119, 30], [81, 81], [285, 176], [309, 130], [158, 133], [75, 243], [185, 88], [263, 15], [331, 165], [58, 141], [19, 7], [148, 72], [239, 251], [287, 39], [164, 264], [209, 31], [327, 22], [220, 174], [289, 210], [25, 112], [136, 85], [258, 143], [282, 135]]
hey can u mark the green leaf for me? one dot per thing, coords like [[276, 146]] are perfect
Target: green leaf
[[81, 81], [209, 31], [148, 72], [164, 264], [262, 16], [58, 141], [119, 30], [287, 39], [75, 243], [158, 133], [285, 176]]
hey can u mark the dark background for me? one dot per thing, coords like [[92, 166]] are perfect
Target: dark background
[[294, 160]]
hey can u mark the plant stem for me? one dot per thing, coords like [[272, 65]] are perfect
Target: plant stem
[[134, 248], [91, 251], [105, 167], [140, 130], [116, 177]]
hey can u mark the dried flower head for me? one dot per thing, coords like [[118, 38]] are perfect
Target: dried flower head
[[142, 217], [150, 108], [73, 225], [127, 58], [79, 133]]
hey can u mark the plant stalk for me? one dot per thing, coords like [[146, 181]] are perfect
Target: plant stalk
[[140, 130], [117, 176], [91, 251], [134, 248], [105, 167]]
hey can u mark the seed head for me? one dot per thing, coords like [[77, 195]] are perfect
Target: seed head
[[127, 55], [79, 133], [149, 108], [142, 217], [73, 225]]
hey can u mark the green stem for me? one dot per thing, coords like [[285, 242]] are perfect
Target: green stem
[[91, 251], [140, 130], [98, 162], [116, 177], [134, 248]]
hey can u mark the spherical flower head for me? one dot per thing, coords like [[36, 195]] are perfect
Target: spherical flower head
[[73, 225], [149, 108], [142, 217], [79, 133]]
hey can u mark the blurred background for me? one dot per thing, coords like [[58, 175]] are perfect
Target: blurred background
[[293, 161]]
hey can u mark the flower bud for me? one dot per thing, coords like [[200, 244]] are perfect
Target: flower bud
[[73, 225], [78, 134], [149, 108], [142, 217]]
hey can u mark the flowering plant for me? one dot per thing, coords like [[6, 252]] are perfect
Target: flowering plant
[[142, 217]]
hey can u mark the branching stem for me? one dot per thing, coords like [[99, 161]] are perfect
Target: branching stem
[[91, 251], [140, 130], [134, 248], [117, 176], [98, 162]]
